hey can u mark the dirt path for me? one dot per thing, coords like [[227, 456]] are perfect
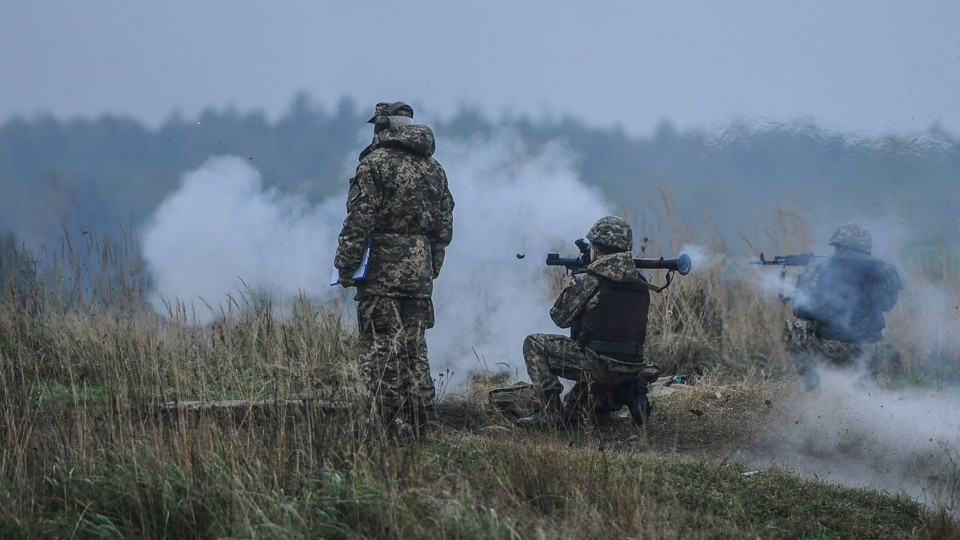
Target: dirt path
[[718, 423]]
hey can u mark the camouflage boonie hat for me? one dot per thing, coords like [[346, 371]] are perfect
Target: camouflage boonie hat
[[397, 108], [612, 233], [854, 237]]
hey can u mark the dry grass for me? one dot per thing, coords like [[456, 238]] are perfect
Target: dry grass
[[84, 450]]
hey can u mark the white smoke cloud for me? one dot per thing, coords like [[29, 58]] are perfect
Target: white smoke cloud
[[701, 257], [223, 228], [858, 434], [767, 278], [507, 202]]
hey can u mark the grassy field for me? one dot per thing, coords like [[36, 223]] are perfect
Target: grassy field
[[88, 450]]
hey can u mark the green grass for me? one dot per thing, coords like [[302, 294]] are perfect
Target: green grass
[[52, 393], [451, 486]]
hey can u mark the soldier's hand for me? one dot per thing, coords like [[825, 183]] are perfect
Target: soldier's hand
[[344, 279]]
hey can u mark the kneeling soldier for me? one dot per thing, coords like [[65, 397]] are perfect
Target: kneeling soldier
[[606, 309]]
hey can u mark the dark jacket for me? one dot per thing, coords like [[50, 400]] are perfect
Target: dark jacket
[[846, 295]]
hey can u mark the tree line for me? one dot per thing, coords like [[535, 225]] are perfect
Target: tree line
[[91, 175]]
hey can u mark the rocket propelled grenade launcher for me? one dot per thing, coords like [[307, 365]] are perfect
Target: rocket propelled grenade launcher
[[575, 265]]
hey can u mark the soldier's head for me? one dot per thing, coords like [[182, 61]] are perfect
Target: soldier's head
[[611, 234], [389, 115], [852, 236]]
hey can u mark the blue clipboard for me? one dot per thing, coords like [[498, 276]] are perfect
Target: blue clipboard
[[360, 272]]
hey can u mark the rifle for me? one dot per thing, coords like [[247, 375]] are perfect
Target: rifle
[[578, 264], [799, 259]]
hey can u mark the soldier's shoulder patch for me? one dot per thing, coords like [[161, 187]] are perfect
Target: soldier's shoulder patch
[[574, 280], [363, 165]]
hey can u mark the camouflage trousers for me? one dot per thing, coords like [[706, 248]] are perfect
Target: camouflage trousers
[[393, 352], [880, 359], [550, 356]]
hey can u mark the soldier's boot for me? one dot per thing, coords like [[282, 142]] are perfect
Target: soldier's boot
[[421, 420], [401, 429], [638, 403], [373, 428], [550, 416], [410, 422]]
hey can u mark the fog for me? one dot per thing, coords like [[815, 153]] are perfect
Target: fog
[[760, 127], [886, 67]]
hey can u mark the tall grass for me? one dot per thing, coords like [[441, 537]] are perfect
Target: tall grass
[[90, 447]]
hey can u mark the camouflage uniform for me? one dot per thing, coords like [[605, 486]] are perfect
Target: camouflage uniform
[[549, 356], [838, 307], [399, 198], [882, 361]]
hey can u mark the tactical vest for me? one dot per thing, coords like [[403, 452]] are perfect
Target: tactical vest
[[619, 319]]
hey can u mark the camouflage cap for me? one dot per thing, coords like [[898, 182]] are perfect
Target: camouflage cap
[[397, 108], [612, 233], [852, 236]]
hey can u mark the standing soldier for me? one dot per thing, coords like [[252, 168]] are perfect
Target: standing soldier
[[838, 309], [400, 206], [606, 310]]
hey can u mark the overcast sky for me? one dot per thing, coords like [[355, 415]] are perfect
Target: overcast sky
[[869, 67]]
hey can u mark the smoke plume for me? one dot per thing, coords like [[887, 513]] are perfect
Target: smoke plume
[[224, 232], [509, 203], [898, 439], [858, 434]]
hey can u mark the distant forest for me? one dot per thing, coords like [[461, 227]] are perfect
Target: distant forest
[[97, 175]]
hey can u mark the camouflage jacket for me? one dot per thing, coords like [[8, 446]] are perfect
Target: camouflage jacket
[[582, 295], [399, 198], [846, 295]]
